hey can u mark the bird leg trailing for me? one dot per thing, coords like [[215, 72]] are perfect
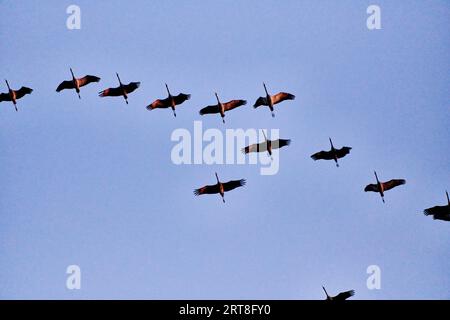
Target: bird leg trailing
[[174, 113]]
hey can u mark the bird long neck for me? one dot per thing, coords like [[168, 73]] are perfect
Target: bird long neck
[[325, 291], [217, 97], [376, 177], [120, 82], [331, 142], [168, 92], [264, 134], [7, 84], [265, 89], [448, 199], [217, 177], [71, 72]]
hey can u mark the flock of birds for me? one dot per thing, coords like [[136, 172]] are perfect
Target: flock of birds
[[123, 90]]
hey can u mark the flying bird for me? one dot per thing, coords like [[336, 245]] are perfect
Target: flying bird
[[341, 296], [14, 95], [333, 154], [439, 212], [267, 145], [220, 187], [222, 107], [76, 83], [270, 101], [169, 102], [381, 187], [121, 90]]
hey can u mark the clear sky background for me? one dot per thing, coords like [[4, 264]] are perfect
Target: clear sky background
[[90, 182]]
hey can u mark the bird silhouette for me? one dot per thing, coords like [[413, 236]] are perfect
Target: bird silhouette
[[14, 95]]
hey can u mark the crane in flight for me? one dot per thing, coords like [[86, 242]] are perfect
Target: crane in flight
[[220, 187], [381, 187], [122, 90], [271, 100], [169, 102], [77, 83], [14, 95]]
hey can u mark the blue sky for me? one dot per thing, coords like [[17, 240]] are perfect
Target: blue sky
[[90, 182]]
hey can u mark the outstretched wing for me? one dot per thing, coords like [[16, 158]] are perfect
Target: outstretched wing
[[5, 97], [23, 91], [261, 101], [371, 187], [233, 184], [65, 85], [280, 143], [340, 153], [210, 109], [159, 103], [182, 97], [207, 190], [230, 105], [281, 96], [256, 147], [437, 210], [111, 92], [131, 86], [87, 79], [322, 155], [344, 295], [393, 183]]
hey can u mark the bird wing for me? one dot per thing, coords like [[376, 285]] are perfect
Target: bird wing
[[111, 92], [322, 155], [23, 91], [371, 187], [344, 295], [256, 147], [437, 210], [210, 109], [230, 105], [182, 97], [5, 97], [340, 153], [280, 143], [393, 183], [159, 103], [207, 190], [131, 86], [261, 101], [233, 184], [65, 85], [281, 96], [87, 79]]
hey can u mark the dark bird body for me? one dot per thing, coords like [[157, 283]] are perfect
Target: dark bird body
[[267, 145], [381, 187], [221, 108], [14, 95], [122, 90], [77, 83], [333, 154], [270, 101], [220, 187], [169, 102], [439, 212], [341, 296]]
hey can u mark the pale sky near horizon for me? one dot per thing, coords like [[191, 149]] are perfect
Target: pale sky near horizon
[[90, 182]]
